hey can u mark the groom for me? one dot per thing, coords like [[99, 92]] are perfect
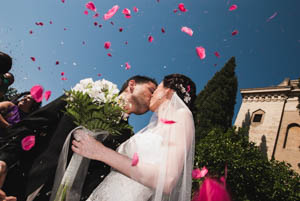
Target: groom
[[136, 92]]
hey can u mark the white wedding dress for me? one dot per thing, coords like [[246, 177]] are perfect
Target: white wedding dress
[[117, 186]]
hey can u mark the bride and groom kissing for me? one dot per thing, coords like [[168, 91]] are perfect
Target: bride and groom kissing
[[165, 149]]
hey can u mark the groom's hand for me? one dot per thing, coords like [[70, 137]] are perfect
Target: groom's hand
[[86, 146], [3, 197]]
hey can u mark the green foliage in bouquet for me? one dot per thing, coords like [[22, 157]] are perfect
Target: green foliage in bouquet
[[93, 115]]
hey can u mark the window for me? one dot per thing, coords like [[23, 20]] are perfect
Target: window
[[257, 118]]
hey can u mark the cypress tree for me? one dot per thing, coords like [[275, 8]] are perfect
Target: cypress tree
[[214, 106], [298, 106]]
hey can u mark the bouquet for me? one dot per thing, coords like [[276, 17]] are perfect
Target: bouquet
[[96, 108]]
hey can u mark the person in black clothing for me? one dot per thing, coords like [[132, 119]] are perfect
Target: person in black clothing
[[38, 165], [5, 63]]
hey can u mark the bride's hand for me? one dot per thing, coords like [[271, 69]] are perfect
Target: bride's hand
[[86, 146]]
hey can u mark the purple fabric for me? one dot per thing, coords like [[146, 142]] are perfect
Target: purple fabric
[[13, 115]]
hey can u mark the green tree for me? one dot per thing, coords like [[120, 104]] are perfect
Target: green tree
[[250, 175], [298, 106], [215, 103]]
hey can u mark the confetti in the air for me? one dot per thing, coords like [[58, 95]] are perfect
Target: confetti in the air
[[201, 52], [235, 32], [135, 159], [127, 13], [86, 12], [181, 7], [36, 93], [47, 95], [96, 15], [272, 16], [96, 23], [135, 9], [99, 74], [28, 142], [63, 1], [109, 54], [233, 7], [111, 12], [217, 54], [150, 39], [62, 73], [57, 62], [32, 58], [163, 30], [120, 29], [175, 11], [107, 45], [91, 6], [30, 32], [187, 30], [63, 78], [127, 66], [197, 173]]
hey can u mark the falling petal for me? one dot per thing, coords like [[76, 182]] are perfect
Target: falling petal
[[215, 65], [188, 88], [30, 32], [127, 66], [135, 159], [272, 16], [187, 30], [62, 73], [200, 52], [111, 12], [175, 11], [165, 121], [28, 142], [112, 23], [57, 62], [63, 1], [99, 74], [47, 95], [235, 32], [135, 9], [95, 23], [100, 25], [36, 93], [217, 54], [163, 30], [91, 6], [203, 172], [233, 7], [32, 58], [196, 173], [150, 39], [63, 78], [39, 68], [126, 42], [107, 45], [83, 42], [51, 22], [120, 29], [86, 12], [181, 7], [109, 54], [65, 29], [96, 15], [127, 13]]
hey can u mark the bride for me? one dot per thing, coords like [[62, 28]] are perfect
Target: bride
[[163, 150]]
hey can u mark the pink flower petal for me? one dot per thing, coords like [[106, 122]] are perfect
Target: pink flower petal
[[127, 13], [32, 58], [120, 29], [201, 52], [47, 95], [181, 7], [150, 39], [86, 12], [112, 23], [135, 159], [111, 12], [28, 142], [127, 66], [107, 45], [62, 73], [233, 7], [30, 32], [57, 62], [100, 25], [96, 15], [109, 54], [165, 121], [99, 74], [51, 22], [188, 88], [217, 54], [135, 9], [83, 42], [95, 23], [272, 16], [203, 172], [187, 30], [64, 78], [63, 1], [91, 6], [235, 32], [175, 11], [65, 29], [39, 68], [197, 173], [163, 30], [36, 93]]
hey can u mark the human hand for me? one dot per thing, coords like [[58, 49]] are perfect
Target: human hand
[[3, 197], [86, 146]]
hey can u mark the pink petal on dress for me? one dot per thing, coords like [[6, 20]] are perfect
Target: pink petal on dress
[[233, 7], [111, 12], [36, 93], [165, 121], [187, 30], [28, 142], [135, 9], [86, 12], [90, 5], [107, 45], [32, 58], [235, 32], [217, 54], [135, 159], [181, 7], [127, 66], [150, 39], [201, 52], [47, 95]]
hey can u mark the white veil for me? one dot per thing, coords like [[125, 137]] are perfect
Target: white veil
[[170, 174]]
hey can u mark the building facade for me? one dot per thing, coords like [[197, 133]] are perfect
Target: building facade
[[273, 119]]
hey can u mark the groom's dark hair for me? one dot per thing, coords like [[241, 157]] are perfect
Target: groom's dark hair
[[139, 79]]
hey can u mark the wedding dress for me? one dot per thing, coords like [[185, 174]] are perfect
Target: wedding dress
[[165, 149]]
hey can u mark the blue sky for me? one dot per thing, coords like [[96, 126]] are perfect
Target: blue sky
[[266, 51]]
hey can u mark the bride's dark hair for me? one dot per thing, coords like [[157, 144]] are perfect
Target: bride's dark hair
[[183, 86]]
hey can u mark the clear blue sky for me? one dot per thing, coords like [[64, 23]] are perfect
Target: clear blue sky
[[266, 51]]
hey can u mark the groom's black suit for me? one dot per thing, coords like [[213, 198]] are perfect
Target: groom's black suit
[[44, 165]]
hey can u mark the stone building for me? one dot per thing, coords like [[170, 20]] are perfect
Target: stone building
[[274, 120]]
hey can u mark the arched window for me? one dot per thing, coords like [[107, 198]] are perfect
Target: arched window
[[292, 136], [257, 117]]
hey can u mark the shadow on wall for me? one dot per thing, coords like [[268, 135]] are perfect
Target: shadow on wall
[[263, 146], [246, 124]]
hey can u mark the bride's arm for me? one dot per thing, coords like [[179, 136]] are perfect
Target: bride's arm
[[145, 173]]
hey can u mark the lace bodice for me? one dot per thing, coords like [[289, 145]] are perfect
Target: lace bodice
[[117, 186]]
